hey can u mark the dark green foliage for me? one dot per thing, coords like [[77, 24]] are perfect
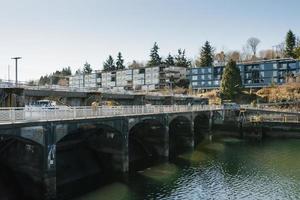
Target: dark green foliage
[[183, 83], [206, 56], [231, 81], [87, 68], [170, 61], [290, 43], [66, 71], [109, 64], [181, 60], [44, 80], [155, 59], [297, 52], [120, 62], [55, 77]]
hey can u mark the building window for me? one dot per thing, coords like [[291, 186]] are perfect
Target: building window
[[194, 78], [202, 77], [209, 76], [283, 66], [194, 83], [194, 71], [209, 70], [292, 66], [209, 82], [275, 66]]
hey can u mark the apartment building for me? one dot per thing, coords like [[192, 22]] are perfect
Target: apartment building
[[254, 74], [92, 80], [145, 78], [124, 79]]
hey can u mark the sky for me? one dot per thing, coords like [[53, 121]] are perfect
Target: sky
[[51, 34]]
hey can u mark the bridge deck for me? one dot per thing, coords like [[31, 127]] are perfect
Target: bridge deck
[[27, 115], [33, 114]]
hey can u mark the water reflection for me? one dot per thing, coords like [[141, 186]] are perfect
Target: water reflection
[[226, 168]]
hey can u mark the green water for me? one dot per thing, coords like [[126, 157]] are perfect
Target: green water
[[221, 169]]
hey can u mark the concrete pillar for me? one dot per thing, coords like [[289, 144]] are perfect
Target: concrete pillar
[[211, 114], [193, 134], [125, 153], [166, 139], [49, 176]]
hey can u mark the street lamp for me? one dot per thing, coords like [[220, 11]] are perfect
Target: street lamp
[[16, 59]]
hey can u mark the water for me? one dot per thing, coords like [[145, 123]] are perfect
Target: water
[[222, 169]]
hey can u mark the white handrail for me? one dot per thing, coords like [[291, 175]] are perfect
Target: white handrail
[[34, 114]]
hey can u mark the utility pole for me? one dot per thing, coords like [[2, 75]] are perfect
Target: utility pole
[[8, 73], [16, 59]]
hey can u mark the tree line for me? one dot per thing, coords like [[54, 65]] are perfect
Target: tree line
[[290, 48]]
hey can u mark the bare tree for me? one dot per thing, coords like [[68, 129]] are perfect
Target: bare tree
[[253, 43], [220, 57], [245, 54], [135, 64], [267, 54], [279, 50], [233, 55]]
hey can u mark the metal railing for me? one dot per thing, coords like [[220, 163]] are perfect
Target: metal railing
[[33, 114], [275, 118], [249, 107]]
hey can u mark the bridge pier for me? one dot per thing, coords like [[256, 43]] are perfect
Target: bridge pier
[[49, 172], [210, 127], [165, 152], [125, 153]]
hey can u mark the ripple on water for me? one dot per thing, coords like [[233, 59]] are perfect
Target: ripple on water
[[228, 169]]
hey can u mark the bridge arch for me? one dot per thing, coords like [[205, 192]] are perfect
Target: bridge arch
[[88, 154], [147, 143], [180, 135], [17, 152]]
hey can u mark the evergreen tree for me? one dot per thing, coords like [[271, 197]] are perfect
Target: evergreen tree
[[87, 68], [155, 59], [231, 83], [181, 60], [109, 64], [78, 71], [170, 60], [120, 61], [55, 77], [297, 52], [290, 43], [66, 71], [206, 56]]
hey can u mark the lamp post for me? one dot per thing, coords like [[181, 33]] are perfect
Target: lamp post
[[16, 59]]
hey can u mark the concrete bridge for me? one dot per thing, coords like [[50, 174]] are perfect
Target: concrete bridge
[[51, 147], [46, 149]]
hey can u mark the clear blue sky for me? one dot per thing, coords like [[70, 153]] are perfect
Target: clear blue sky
[[57, 33]]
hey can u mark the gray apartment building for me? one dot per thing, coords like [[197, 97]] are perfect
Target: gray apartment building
[[144, 78], [255, 74]]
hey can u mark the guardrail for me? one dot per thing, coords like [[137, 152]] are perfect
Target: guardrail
[[275, 118], [34, 114], [249, 107]]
